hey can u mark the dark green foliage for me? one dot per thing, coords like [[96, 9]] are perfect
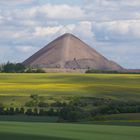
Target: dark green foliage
[[13, 68], [101, 71], [29, 112], [1, 109], [77, 109], [52, 112], [91, 107], [10, 111], [71, 113], [35, 111], [19, 68], [110, 71], [9, 67], [117, 107], [22, 110], [42, 112], [17, 111]]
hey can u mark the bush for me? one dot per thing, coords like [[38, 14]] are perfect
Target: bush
[[22, 110], [29, 112], [71, 113], [1, 109], [35, 112], [17, 111], [10, 111], [42, 112], [51, 112]]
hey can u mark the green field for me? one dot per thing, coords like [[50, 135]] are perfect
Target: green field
[[53, 131], [15, 91], [16, 88]]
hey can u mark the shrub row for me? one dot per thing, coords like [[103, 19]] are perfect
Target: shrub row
[[77, 109], [19, 68], [29, 111]]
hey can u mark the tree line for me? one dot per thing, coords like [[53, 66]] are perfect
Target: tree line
[[19, 68], [110, 71], [75, 110]]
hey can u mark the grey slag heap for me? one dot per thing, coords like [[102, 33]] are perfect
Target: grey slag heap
[[69, 52]]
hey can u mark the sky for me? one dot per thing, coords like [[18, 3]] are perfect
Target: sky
[[112, 27]]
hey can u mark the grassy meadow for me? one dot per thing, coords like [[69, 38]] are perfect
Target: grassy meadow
[[15, 89], [53, 131]]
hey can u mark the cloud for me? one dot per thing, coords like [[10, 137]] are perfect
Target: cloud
[[62, 11], [82, 29], [14, 2], [135, 3], [45, 31], [120, 30], [25, 49], [107, 10]]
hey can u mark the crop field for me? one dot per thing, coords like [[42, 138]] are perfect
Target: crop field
[[16, 88], [53, 131]]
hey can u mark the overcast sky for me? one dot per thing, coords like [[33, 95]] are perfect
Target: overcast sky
[[112, 27]]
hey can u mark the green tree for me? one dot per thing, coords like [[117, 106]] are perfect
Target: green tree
[[19, 67], [11, 67]]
